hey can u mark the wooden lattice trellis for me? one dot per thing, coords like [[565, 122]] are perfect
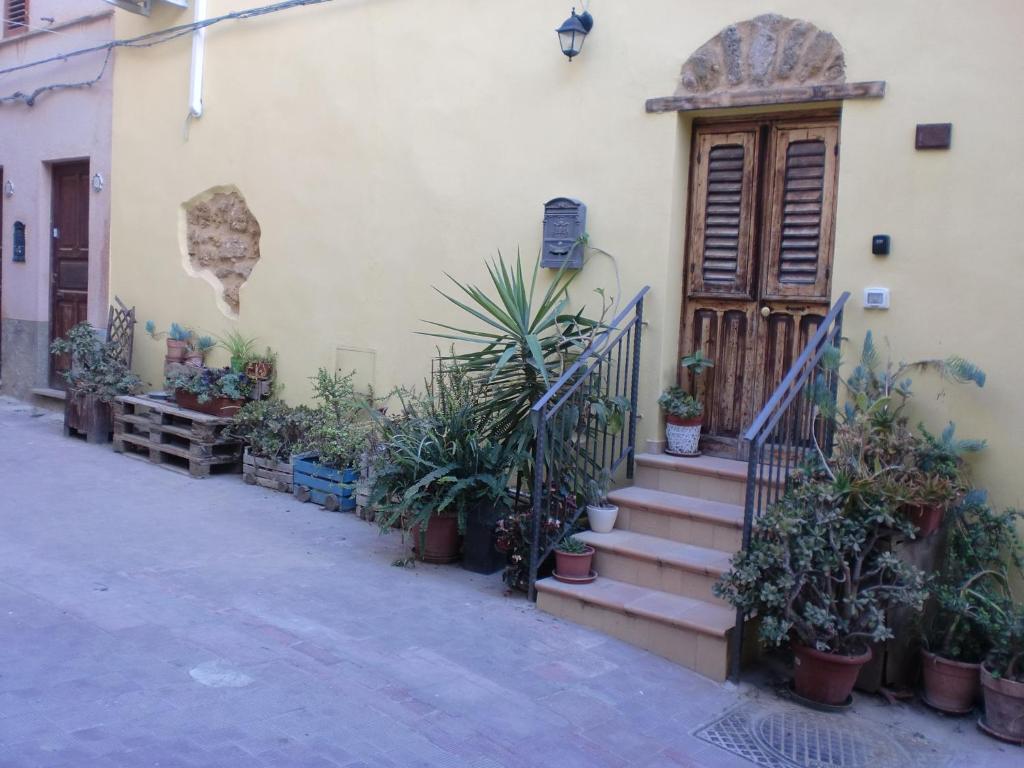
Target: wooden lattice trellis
[[121, 329]]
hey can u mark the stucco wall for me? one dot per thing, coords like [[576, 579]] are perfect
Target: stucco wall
[[67, 125], [380, 144]]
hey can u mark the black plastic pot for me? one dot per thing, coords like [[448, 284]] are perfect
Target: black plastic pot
[[479, 551]]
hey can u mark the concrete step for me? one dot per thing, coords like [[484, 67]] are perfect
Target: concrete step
[[689, 632], [655, 563], [704, 477], [685, 519]]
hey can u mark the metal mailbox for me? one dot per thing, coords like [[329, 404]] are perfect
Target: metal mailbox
[[565, 224]]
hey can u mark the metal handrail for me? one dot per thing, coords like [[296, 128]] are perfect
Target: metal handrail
[[572, 370], [786, 429], [608, 367]]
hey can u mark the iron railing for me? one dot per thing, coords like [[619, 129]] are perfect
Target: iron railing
[[788, 428], [586, 422]]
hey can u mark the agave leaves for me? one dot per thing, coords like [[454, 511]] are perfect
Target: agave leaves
[[525, 340]]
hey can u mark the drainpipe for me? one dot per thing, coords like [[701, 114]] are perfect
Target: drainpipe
[[195, 94]]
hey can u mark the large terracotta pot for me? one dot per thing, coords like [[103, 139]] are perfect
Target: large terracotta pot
[[176, 350], [949, 686], [440, 544], [222, 407], [572, 566], [826, 678], [1004, 707], [926, 517]]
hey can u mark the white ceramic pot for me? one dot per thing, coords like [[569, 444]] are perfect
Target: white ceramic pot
[[683, 437], [602, 519]]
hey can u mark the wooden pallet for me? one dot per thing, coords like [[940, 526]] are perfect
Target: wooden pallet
[[173, 437], [333, 489], [276, 475]]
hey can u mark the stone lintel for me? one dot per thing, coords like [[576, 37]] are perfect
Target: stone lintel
[[870, 89]]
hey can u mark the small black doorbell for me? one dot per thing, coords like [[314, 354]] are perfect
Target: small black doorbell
[[880, 245]]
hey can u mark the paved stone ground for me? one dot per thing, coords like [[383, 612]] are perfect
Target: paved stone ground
[[147, 619]]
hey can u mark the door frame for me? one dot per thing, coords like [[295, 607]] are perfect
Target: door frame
[[764, 121], [52, 167]]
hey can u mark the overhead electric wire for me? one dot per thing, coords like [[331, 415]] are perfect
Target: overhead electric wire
[[142, 41]]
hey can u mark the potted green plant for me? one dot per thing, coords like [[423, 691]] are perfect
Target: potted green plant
[[272, 432], [198, 347], [262, 369], [97, 375], [339, 428], [215, 391], [573, 558], [683, 411], [600, 511], [178, 338], [1002, 674], [240, 349], [820, 575], [981, 546], [439, 466], [935, 477]]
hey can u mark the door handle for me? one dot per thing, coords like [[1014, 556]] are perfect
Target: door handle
[[765, 311]]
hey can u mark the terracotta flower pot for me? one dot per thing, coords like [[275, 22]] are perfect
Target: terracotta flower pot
[[926, 517], [176, 350], [222, 407], [440, 544], [949, 686], [682, 435], [826, 678], [573, 566], [1004, 707]]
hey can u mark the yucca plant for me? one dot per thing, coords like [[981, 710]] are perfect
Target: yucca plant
[[525, 342]]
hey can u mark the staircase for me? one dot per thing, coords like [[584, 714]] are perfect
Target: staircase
[[676, 530]]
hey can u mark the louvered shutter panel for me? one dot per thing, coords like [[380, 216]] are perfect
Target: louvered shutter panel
[[722, 212], [801, 213], [15, 16]]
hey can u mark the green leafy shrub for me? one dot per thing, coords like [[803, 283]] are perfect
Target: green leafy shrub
[[97, 367], [1006, 657], [272, 429], [818, 570], [210, 383], [982, 547], [438, 457], [570, 545], [340, 423], [676, 401]]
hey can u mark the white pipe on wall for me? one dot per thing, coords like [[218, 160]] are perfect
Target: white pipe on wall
[[195, 95]]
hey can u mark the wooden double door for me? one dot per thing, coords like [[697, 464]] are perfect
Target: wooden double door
[[69, 255], [759, 260]]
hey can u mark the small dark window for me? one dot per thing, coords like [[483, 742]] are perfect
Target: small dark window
[[15, 17]]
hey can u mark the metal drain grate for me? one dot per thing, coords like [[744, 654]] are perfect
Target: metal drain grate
[[778, 735]]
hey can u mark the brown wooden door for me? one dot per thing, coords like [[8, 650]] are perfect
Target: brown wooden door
[[759, 259], [69, 257]]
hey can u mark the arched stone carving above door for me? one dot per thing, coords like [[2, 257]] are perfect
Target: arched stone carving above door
[[762, 52], [769, 59]]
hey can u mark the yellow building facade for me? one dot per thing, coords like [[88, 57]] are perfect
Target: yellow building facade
[[380, 144]]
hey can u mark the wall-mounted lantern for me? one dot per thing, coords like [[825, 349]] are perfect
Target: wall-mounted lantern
[[97, 182], [565, 227], [8, 188], [573, 32]]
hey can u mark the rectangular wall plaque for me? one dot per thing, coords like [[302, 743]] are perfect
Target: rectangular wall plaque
[[933, 136]]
